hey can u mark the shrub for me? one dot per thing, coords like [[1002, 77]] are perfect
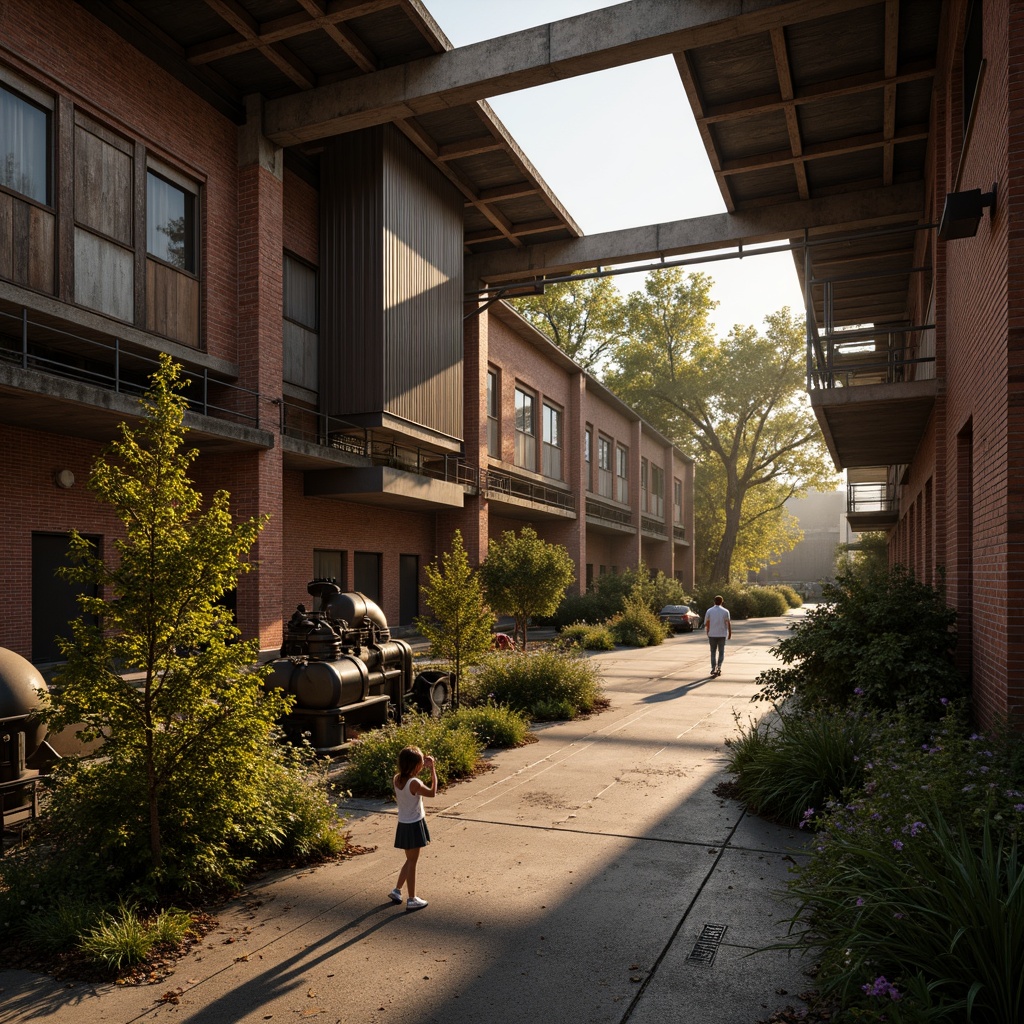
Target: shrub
[[373, 758], [637, 625], [767, 602], [914, 885], [609, 592], [493, 726], [118, 940], [58, 926], [791, 597], [735, 598], [554, 711], [587, 637], [525, 681], [886, 639], [799, 762], [589, 608]]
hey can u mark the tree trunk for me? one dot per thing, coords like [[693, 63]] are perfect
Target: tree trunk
[[721, 570]]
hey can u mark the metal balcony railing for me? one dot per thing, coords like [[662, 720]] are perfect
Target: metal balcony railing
[[653, 526], [108, 364], [498, 482], [867, 497], [609, 514], [341, 435], [679, 533]]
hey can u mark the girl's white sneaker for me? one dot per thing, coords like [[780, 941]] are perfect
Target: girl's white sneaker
[[415, 903], [395, 895]]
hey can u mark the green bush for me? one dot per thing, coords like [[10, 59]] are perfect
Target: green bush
[[58, 926], [608, 594], [883, 639], [526, 681], [791, 597], [554, 711], [493, 726], [767, 601], [373, 758], [798, 762], [588, 608], [637, 626], [118, 940], [735, 598], [587, 637]]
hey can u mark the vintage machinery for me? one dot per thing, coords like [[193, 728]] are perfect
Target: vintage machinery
[[344, 670], [23, 746]]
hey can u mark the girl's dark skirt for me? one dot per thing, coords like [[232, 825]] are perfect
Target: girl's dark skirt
[[409, 835]]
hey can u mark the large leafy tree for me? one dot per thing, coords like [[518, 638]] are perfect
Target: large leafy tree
[[583, 317], [524, 575], [459, 626], [736, 404], [188, 779]]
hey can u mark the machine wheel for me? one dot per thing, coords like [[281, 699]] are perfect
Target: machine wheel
[[431, 691]]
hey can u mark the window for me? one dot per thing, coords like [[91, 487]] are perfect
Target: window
[[330, 565], [24, 147], [300, 293], [170, 223], [551, 454], [493, 424], [604, 467], [657, 500], [588, 445], [622, 473], [643, 485], [677, 501], [300, 334], [526, 431]]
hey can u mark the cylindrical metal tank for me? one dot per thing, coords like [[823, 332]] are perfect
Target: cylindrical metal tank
[[330, 684], [353, 608]]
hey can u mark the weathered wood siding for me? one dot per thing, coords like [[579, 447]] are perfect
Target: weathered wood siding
[[26, 243]]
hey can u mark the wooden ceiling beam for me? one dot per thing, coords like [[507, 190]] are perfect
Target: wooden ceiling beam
[[785, 77], [850, 86], [281, 29]]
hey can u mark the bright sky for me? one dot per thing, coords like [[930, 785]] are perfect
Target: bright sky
[[620, 149]]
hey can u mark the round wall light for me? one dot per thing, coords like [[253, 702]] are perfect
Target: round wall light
[[64, 478]]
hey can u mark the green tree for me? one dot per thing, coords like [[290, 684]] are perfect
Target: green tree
[[459, 629], [189, 774], [524, 575], [868, 556], [737, 405], [584, 318]]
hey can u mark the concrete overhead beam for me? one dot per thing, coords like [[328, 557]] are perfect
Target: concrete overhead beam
[[624, 34], [871, 208]]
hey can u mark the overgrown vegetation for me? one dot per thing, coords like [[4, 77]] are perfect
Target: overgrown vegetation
[[587, 637], [636, 625], [880, 636], [190, 788], [455, 740], [544, 685], [912, 893]]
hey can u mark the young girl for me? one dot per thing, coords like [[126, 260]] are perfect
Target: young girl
[[411, 834]]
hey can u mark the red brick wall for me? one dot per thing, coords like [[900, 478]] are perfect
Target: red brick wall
[[30, 502], [63, 49]]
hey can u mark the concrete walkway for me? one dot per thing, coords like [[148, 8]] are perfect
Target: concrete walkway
[[590, 877]]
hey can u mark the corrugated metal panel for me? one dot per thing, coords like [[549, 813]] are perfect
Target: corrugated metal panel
[[422, 291], [391, 284], [351, 332]]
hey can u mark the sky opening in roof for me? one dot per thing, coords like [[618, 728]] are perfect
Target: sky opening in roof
[[620, 149]]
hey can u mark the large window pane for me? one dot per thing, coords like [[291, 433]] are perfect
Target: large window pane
[[552, 454], [170, 223], [526, 432], [24, 147], [493, 425]]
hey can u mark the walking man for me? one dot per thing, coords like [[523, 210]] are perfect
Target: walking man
[[718, 626]]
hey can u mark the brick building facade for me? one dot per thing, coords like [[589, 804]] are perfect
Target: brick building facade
[[314, 295]]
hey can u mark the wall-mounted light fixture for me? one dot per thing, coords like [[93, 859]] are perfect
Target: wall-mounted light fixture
[[64, 478], [962, 213]]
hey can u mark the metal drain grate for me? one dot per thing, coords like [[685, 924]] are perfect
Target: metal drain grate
[[706, 946]]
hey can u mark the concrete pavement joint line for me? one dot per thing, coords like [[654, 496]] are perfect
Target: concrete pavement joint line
[[591, 832], [675, 932], [581, 745]]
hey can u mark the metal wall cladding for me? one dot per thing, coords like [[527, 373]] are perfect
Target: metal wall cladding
[[391, 283]]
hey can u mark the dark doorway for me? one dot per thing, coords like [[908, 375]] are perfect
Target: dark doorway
[[54, 600], [408, 588], [366, 574]]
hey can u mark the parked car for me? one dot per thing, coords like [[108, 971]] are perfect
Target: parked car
[[680, 618]]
